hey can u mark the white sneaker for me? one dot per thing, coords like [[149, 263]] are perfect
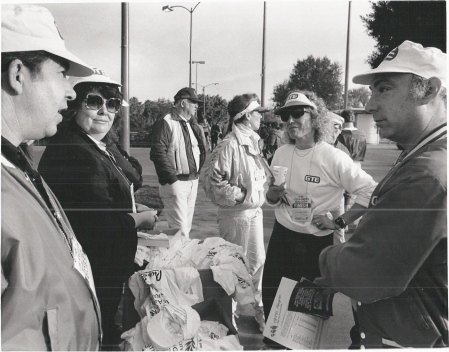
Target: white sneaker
[[260, 318]]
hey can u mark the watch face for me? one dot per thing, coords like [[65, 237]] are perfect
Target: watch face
[[340, 222]]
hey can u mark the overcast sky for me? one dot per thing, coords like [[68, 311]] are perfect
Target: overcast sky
[[226, 35]]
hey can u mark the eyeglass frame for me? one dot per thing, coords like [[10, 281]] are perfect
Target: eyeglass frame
[[105, 101], [296, 114]]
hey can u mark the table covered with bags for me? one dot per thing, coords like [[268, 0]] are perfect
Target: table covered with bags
[[181, 298]]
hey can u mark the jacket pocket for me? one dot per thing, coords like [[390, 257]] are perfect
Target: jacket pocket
[[52, 324]]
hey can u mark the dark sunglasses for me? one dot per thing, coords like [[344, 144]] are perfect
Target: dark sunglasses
[[285, 115], [96, 102]]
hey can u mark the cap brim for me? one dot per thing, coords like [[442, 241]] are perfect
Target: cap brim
[[367, 77], [262, 109], [77, 67], [292, 108]]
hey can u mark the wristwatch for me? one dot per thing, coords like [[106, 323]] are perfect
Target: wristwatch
[[340, 222]]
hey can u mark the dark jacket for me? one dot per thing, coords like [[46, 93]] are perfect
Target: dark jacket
[[171, 149], [355, 142], [395, 264], [96, 198]]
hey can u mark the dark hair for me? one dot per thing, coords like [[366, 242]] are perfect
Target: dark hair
[[238, 104], [348, 115], [107, 91], [31, 59]]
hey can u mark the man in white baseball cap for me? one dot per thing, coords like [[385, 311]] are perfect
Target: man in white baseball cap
[[395, 264], [48, 297]]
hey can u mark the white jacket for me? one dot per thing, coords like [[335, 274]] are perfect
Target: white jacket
[[236, 166]]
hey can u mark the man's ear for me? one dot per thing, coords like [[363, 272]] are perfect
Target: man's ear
[[433, 88], [15, 76]]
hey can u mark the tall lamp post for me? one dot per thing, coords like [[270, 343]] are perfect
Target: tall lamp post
[[168, 8], [204, 96], [196, 71]]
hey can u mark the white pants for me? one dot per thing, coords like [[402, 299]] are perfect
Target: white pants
[[245, 228], [179, 204]]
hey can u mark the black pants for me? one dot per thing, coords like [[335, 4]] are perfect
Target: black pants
[[292, 255], [109, 293]]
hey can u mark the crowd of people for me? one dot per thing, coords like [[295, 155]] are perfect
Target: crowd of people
[[69, 227]]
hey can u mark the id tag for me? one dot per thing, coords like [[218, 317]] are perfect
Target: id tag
[[259, 178], [82, 264], [301, 208]]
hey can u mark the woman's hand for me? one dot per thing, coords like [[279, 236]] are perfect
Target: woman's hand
[[323, 222], [140, 208], [145, 220], [275, 193]]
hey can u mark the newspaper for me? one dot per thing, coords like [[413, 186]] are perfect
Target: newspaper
[[294, 329]]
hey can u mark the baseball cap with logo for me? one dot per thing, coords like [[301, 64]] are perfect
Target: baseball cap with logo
[[294, 101], [410, 57], [33, 28], [187, 93]]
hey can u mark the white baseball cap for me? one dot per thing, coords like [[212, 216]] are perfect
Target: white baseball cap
[[294, 101], [410, 57], [32, 28], [99, 76]]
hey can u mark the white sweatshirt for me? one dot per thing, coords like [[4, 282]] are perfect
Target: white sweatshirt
[[329, 173]]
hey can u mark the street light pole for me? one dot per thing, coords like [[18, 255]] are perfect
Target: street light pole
[[168, 8], [204, 96], [196, 71]]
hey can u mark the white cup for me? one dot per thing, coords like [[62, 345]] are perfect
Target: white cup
[[279, 173]]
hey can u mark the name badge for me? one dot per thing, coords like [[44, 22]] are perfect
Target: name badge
[[301, 208], [82, 264]]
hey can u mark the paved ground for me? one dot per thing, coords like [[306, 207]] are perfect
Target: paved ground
[[379, 160]]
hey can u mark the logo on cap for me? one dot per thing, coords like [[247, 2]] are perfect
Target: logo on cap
[[292, 96], [99, 71], [393, 53]]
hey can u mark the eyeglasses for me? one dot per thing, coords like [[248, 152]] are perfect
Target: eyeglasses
[[96, 102], [285, 115]]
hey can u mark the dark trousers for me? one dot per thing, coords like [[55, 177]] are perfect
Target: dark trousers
[[109, 292], [292, 255]]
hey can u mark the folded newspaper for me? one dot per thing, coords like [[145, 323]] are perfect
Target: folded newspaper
[[298, 316]]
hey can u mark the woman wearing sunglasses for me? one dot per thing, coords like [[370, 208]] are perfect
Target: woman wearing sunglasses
[[95, 183], [235, 180], [317, 175]]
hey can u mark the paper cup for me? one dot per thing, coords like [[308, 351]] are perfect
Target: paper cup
[[279, 172]]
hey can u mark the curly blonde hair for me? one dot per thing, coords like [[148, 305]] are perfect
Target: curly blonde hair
[[321, 121]]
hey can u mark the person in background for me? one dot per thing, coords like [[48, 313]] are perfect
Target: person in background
[[48, 297], [395, 265], [337, 122], [206, 129], [88, 173], [273, 141], [178, 153], [352, 138], [317, 176], [235, 180], [215, 134]]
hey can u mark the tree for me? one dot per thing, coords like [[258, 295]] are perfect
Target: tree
[[319, 75], [393, 22], [155, 109], [358, 98], [216, 109], [135, 114]]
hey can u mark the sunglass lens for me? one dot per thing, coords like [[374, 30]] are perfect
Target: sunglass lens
[[295, 114], [94, 102], [113, 105]]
